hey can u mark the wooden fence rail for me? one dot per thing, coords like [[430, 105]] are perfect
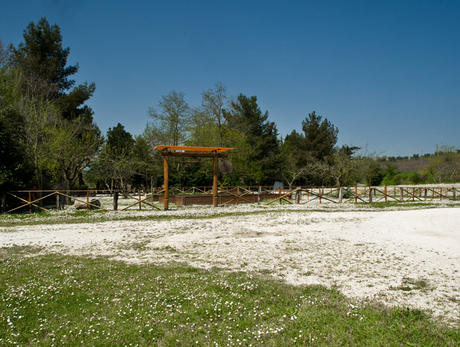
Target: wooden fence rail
[[35, 199]]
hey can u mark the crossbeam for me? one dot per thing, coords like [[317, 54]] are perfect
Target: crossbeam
[[194, 154], [192, 148]]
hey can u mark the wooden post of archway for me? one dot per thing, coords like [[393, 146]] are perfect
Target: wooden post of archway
[[191, 151], [214, 179], [165, 182]]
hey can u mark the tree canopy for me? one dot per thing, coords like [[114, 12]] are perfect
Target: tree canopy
[[48, 138]]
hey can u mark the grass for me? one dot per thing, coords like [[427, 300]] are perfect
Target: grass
[[410, 284], [69, 300], [382, 204]]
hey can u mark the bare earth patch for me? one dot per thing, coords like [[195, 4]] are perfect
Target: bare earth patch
[[407, 258]]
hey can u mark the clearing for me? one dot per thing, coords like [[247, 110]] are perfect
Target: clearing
[[407, 258]]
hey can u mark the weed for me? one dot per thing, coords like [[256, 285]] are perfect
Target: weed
[[409, 284]]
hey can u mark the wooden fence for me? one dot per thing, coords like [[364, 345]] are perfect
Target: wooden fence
[[44, 200]]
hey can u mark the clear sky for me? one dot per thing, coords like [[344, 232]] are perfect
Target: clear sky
[[386, 73]]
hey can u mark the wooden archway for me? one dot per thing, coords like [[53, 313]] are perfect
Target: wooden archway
[[191, 151]]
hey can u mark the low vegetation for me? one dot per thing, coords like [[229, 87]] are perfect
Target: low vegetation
[[68, 300]]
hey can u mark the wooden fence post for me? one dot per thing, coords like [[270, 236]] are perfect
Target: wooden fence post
[[401, 193], [385, 193], [356, 194], [87, 199], [3, 202], [140, 198], [340, 194], [370, 195], [440, 194], [58, 205], [115, 201], [279, 194], [259, 193], [30, 200], [319, 194], [454, 194]]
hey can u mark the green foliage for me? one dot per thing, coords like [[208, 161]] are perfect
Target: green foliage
[[445, 164], [370, 170], [213, 104], [14, 165], [119, 141], [147, 166], [43, 60], [320, 136], [407, 178], [170, 123], [59, 137], [261, 135]]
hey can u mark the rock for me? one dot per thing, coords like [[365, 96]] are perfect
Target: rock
[[95, 202], [81, 205]]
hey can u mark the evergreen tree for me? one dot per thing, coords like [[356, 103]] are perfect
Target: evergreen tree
[[42, 60], [119, 141], [320, 136], [246, 117]]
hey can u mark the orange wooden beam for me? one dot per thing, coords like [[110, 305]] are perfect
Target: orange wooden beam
[[193, 148]]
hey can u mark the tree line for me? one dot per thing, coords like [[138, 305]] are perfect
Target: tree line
[[48, 137]]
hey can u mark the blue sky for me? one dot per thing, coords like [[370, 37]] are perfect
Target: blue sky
[[386, 73]]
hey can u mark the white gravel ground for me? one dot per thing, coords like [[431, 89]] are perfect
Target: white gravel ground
[[408, 258]]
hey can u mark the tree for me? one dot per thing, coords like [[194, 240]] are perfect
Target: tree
[[202, 130], [73, 146], [41, 118], [445, 164], [213, 102], [261, 135], [320, 136], [15, 168], [341, 165], [147, 167], [371, 171], [3, 55], [119, 141], [60, 136], [295, 158], [115, 163], [42, 60], [171, 121]]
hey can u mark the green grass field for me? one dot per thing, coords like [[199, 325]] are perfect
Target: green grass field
[[68, 300]]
